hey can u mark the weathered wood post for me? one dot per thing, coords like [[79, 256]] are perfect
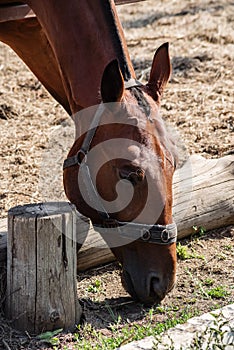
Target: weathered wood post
[[3, 264], [41, 267]]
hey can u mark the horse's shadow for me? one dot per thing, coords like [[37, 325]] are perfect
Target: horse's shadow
[[112, 312]]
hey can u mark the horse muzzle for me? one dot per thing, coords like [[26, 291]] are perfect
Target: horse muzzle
[[149, 290]]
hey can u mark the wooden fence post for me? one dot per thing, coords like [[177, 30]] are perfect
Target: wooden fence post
[[41, 267]]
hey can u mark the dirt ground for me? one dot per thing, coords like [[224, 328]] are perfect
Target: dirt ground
[[198, 103]]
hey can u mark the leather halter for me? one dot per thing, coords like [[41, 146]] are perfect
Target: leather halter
[[159, 234]]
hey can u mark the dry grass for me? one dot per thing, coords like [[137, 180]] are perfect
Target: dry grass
[[198, 103]]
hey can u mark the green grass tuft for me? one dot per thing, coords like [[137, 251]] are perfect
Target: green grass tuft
[[218, 292]]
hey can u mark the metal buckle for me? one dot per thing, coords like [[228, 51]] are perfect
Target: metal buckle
[[165, 236], [145, 235], [81, 157]]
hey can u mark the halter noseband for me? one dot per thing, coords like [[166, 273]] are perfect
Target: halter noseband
[[159, 234]]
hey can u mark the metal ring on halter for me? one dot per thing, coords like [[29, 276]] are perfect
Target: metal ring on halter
[[146, 235], [165, 236], [81, 157]]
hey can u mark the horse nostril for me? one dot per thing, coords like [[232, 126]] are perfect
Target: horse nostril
[[154, 283], [156, 291]]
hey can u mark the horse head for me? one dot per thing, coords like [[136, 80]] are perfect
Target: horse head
[[119, 174]]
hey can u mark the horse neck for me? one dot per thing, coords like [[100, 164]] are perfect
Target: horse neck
[[85, 36]]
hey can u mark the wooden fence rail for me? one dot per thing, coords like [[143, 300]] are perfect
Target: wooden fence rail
[[11, 12]]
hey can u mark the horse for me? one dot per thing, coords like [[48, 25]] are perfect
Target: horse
[[28, 40], [92, 67]]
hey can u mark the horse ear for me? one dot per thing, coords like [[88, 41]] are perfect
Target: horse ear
[[160, 71], [112, 85]]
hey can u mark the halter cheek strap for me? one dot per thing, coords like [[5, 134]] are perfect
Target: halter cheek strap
[[82, 153], [159, 234]]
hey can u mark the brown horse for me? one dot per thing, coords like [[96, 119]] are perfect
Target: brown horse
[[91, 57]]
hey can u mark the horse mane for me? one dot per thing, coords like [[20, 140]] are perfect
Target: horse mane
[[117, 40], [141, 100]]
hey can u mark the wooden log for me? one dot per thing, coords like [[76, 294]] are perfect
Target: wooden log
[[15, 12], [41, 268], [203, 196], [94, 251], [12, 12]]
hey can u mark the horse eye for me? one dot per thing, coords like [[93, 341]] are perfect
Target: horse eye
[[132, 176], [140, 173]]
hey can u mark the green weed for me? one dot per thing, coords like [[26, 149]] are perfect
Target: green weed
[[94, 287], [221, 256], [199, 230], [125, 334], [208, 282], [183, 253], [218, 292], [50, 337], [228, 247]]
